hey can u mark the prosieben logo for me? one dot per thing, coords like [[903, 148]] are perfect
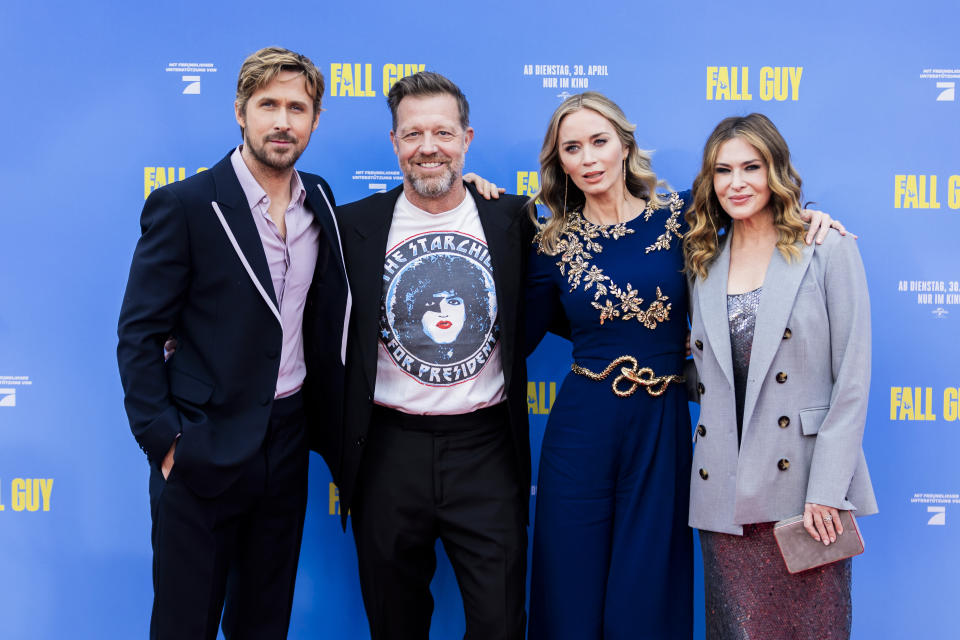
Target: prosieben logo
[[939, 515]]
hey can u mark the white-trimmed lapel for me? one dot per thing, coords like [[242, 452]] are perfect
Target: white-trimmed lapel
[[780, 286], [326, 222], [233, 211], [266, 294]]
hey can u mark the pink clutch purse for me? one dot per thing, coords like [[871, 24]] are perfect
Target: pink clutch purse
[[801, 552]]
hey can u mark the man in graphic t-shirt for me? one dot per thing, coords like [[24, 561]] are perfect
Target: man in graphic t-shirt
[[435, 442]]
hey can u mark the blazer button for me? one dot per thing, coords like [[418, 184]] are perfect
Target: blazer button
[[361, 441], [701, 430], [787, 333], [265, 399], [700, 388], [704, 474], [784, 422], [783, 464], [272, 354], [699, 344], [781, 377]]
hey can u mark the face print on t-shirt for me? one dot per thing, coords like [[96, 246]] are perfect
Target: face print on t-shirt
[[438, 318]]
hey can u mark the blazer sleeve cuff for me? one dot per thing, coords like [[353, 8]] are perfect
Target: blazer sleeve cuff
[[156, 437]]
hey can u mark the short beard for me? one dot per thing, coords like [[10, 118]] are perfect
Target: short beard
[[433, 187], [436, 186], [277, 162]]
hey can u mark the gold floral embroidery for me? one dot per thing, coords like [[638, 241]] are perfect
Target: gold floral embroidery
[[576, 248], [672, 226]]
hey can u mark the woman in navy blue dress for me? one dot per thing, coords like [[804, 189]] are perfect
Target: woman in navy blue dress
[[612, 553]]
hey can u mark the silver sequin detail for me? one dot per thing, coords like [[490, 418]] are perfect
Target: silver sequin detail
[[742, 314]]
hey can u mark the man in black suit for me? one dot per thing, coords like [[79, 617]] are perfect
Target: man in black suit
[[435, 441], [242, 265]]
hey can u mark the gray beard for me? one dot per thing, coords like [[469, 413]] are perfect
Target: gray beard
[[433, 187]]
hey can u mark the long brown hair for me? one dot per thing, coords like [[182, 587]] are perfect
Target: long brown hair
[[706, 217], [559, 193]]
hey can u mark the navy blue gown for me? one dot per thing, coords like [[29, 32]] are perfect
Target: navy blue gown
[[612, 552]]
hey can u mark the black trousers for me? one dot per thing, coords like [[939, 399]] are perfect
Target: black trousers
[[235, 554], [452, 478]]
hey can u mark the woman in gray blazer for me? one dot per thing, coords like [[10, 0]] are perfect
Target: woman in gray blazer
[[781, 341]]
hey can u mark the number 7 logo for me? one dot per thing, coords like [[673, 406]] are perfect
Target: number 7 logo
[[939, 515], [194, 87], [949, 91]]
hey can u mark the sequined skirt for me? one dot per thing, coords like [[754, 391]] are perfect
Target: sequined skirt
[[749, 594]]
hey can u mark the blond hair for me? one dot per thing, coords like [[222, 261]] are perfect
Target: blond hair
[[560, 194], [706, 217], [261, 67]]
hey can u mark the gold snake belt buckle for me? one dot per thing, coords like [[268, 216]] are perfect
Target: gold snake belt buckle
[[633, 376]]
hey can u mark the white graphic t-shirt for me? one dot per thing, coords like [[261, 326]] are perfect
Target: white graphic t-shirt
[[439, 330]]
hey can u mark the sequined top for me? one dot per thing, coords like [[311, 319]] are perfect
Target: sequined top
[[742, 314]]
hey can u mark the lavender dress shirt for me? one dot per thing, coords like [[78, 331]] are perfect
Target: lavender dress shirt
[[292, 261]]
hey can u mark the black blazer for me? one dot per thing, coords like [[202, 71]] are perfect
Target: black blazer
[[199, 273], [364, 227]]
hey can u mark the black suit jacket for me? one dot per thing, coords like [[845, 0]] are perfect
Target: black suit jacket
[[199, 273], [364, 227]]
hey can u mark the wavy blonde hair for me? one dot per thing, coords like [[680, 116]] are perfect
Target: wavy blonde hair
[[559, 193], [706, 217]]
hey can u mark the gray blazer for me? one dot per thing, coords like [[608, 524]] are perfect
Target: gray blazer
[[806, 395]]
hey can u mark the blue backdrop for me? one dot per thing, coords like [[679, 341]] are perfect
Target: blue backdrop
[[105, 102]]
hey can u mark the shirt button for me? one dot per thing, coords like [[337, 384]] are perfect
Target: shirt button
[[700, 388], [784, 422], [704, 474], [783, 464], [699, 344], [701, 430], [787, 333], [361, 441], [781, 377]]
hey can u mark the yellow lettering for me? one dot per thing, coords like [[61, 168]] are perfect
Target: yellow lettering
[[795, 74], [723, 83], [712, 73], [149, 181], [928, 196], [899, 190], [545, 408], [896, 394], [906, 405], [745, 92], [25, 494], [368, 80], [951, 404], [928, 413], [528, 183], [46, 488], [766, 83], [531, 397], [336, 78], [537, 397], [393, 72], [334, 493], [953, 192]]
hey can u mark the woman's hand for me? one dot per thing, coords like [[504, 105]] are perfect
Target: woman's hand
[[484, 187], [822, 522], [820, 224]]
